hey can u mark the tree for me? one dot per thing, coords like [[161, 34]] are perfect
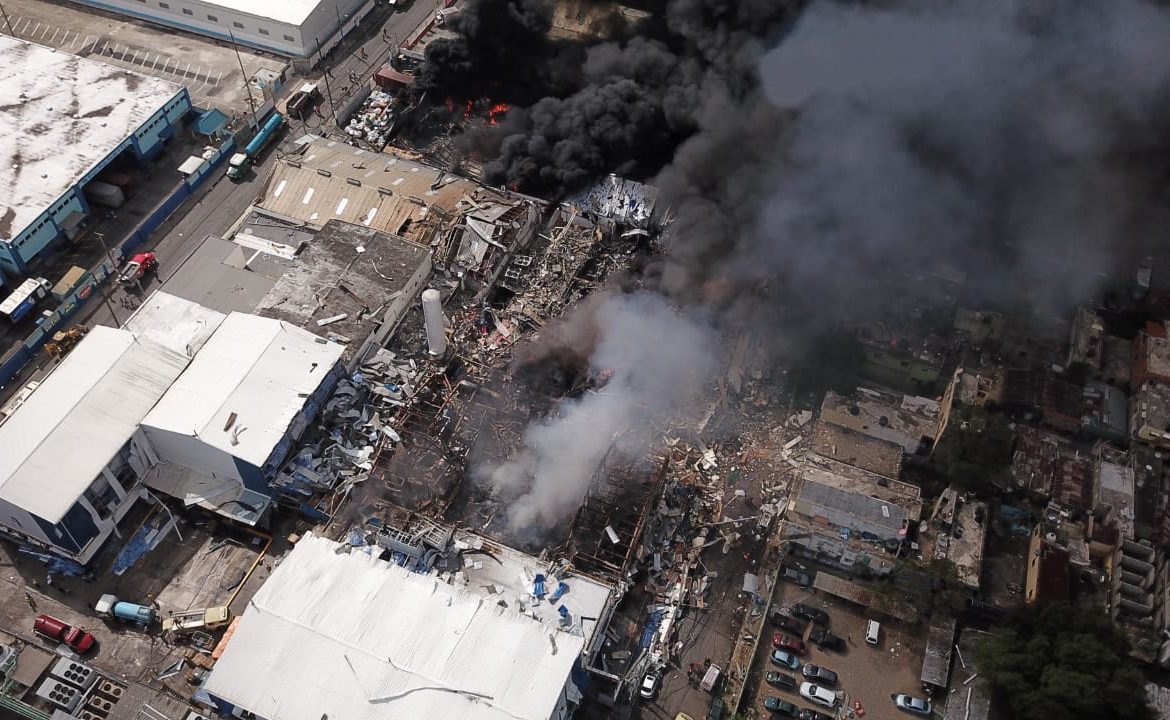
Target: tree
[[1063, 663], [975, 449]]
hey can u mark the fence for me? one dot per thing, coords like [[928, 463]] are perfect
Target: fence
[[88, 283]]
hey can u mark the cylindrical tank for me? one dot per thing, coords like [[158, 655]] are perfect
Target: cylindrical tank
[[436, 327], [134, 613]]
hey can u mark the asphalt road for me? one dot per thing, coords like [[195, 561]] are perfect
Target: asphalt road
[[221, 202]]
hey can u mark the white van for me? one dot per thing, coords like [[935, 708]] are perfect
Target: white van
[[873, 630]]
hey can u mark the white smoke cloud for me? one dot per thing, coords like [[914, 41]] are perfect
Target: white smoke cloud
[[658, 361]]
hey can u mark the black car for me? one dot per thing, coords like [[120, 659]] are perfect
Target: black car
[[819, 675], [796, 575], [812, 614], [796, 626], [807, 714], [781, 681], [825, 640]]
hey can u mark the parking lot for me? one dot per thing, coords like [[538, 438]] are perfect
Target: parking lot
[[207, 68], [868, 674]]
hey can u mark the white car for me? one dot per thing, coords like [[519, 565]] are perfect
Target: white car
[[650, 684], [819, 695]]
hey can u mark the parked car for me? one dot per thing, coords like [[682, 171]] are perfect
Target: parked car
[[783, 708], [810, 714], [783, 658], [650, 684], [780, 640], [715, 711], [825, 640], [781, 681], [683, 716], [819, 674], [794, 625], [819, 695], [911, 704], [61, 631], [796, 575], [812, 614]]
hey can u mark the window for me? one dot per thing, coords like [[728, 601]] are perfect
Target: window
[[187, 11], [212, 18], [290, 38], [262, 31], [164, 6], [238, 24]]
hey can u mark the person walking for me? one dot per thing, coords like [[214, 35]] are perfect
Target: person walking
[[32, 602]]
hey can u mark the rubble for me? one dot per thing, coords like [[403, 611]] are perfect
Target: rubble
[[373, 122]]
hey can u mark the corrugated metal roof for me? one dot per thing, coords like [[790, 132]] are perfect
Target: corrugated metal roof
[[57, 443], [332, 180], [350, 636], [258, 369]]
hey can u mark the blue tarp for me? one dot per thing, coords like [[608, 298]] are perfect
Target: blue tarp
[[653, 620]]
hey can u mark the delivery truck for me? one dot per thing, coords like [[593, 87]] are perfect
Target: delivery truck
[[24, 298]]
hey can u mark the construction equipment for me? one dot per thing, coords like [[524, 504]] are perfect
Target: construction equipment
[[64, 340], [193, 620]]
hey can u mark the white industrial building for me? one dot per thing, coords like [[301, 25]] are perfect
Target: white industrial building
[[228, 422], [73, 455], [336, 632], [183, 399], [64, 120], [293, 28]]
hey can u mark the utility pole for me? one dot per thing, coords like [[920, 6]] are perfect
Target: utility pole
[[113, 271], [328, 91], [7, 21], [244, 77]]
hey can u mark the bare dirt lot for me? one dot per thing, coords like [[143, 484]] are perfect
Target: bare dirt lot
[[868, 674]]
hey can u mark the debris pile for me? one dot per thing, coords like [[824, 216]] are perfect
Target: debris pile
[[373, 122]]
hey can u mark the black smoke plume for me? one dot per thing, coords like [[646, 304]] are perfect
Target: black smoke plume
[[817, 178]]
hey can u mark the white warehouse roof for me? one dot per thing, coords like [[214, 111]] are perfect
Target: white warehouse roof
[[346, 635], [259, 370], [293, 12], [57, 443], [60, 115]]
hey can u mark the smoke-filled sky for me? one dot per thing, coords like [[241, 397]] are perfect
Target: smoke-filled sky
[[816, 160]]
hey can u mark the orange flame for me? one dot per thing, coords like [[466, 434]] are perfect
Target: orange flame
[[497, 110]]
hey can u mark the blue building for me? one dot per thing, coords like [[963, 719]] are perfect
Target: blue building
[[65, 120]]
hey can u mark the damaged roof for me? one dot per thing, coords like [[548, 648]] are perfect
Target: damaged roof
[[383, 191], [868, 453], [342, 634], [243, 389]]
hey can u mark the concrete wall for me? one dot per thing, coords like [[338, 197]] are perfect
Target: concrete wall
[[253, 30]]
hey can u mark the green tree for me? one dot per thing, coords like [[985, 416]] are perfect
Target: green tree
[[1058, 662], [975, 450]]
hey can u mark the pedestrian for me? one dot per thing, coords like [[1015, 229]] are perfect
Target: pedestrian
[[850, 638], [362, 53], [32, 602], [707, 663]]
